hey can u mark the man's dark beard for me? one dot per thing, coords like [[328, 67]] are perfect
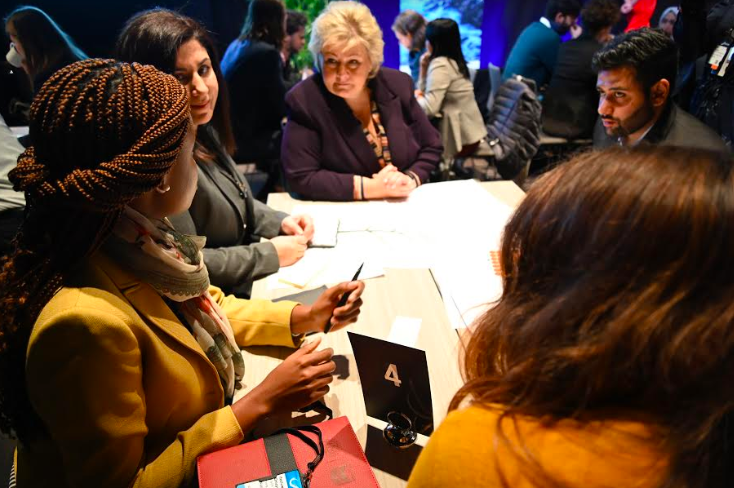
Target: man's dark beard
[[639, 119], [561, 29]]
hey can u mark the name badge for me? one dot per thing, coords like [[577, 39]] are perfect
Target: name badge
[[291, 479], [718, 56]]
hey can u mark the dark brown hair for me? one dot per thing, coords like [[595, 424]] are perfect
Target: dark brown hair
[[104, 133], [600, 14], [154, 37], [650, 52], [43, 41], [264, 22], [618, 298], [413, 23]]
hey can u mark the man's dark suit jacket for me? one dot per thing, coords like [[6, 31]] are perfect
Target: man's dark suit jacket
[[324, 146], [254, 74], [674, 128], [570, 104]]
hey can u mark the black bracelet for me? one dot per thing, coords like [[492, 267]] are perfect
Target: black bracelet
[[414, 177], [361, 187]]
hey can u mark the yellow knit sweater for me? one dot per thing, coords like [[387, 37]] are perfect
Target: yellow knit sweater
[[466, 451]]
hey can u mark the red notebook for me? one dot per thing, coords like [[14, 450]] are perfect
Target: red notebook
[[343, 465]]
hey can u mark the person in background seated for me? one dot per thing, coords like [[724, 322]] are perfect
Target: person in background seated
[[295, 40], [446, 91], [125, 360], [536, 50], [636, 76], [571, 100], [608, 359], [355, 130], [410, 30], [12, 203], [668, 20], [253, 69], [639, 13], [38, 45], [224, 209]]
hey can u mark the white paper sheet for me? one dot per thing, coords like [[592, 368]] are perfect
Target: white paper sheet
[[405, 331], [450, 228]]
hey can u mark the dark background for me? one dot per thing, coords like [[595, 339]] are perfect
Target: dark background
[[94, 26]]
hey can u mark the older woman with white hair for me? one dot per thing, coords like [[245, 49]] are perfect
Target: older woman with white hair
[[355, 130]]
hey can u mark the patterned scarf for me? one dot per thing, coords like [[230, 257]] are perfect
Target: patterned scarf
[[382, 149], [173, 265]]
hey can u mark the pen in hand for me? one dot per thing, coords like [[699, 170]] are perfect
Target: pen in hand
[[343, 299]]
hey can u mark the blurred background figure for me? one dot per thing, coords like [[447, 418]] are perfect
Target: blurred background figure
[[410, 30], [12, 202], [570, 103], [253, 69], [38, 45], [295, 40], [535, 52], [445, 91], [668, 19], [639, 13]]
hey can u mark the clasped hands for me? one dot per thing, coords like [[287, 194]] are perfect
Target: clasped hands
[[388, 183]]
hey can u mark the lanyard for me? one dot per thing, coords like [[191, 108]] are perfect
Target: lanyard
[[318, 448]]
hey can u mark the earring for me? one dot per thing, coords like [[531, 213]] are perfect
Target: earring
[[162, 188]]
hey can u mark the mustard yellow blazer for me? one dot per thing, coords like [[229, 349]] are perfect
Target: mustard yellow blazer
[[126, 394]]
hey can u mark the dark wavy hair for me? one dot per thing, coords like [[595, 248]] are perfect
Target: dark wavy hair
[[413, 23], [264, 22], [154, 37], [445, 39], [43, 41], [617, 301], [650, 52], [600, 14]]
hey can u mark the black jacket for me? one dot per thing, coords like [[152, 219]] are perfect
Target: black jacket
[[675, 128], [254, 74], [571, 101]]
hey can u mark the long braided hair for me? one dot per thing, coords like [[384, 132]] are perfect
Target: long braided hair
[[104, 133]]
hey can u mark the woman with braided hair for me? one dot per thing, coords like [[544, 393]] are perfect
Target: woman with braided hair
[[119, 362], [223, 209]]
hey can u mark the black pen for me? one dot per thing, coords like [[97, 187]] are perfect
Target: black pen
[[343, 299]]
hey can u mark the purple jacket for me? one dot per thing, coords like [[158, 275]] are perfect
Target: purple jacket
[[324, 146]]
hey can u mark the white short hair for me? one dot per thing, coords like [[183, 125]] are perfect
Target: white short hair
[[345, 24]]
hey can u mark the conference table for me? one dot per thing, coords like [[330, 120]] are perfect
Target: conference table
[[399, 293]]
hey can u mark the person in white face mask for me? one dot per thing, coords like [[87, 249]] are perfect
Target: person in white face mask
[[38, 45]]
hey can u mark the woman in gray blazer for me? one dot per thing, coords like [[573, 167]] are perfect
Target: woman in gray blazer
[[223, 210], [446, 91]]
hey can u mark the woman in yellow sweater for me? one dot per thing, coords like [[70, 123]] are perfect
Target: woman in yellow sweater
[[608, 360], [119, 362]]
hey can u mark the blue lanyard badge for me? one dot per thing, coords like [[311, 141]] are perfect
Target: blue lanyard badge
[[291, 479]]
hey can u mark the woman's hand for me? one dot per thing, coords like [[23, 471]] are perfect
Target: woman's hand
[[290, 249], [300, 380], [315, 317], [298, 225], [627, 6]]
